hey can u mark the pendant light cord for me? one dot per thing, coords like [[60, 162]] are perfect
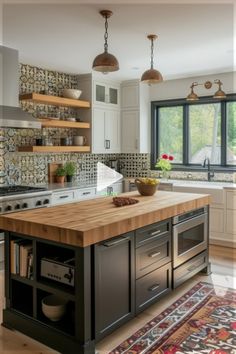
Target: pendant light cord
[[106, 35], [152, 55]]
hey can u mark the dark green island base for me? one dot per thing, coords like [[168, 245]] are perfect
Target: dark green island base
[[115, 280]]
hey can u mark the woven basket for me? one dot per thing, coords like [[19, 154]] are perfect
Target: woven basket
[[145, 189]]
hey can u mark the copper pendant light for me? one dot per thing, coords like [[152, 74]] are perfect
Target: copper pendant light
[[105, 62], [152, 76]]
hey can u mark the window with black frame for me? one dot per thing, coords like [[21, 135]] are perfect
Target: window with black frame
[[192, 132]]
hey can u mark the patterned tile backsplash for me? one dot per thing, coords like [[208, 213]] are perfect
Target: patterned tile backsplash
[[31, 168]]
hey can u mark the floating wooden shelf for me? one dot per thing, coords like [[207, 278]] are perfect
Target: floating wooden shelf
[[50, 123], [54, 148], [54, 100]]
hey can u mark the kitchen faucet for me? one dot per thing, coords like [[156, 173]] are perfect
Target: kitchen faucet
[[207, 163]]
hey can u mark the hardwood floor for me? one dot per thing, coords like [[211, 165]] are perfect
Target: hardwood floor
[[223, 262]]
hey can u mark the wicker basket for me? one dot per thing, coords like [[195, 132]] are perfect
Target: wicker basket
[[145, 189]]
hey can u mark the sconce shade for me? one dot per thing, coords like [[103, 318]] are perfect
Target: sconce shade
[[151, 76], [192, 97], [105, 62], [219, 94]]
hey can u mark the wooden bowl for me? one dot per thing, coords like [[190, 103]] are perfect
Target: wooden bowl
[[145, 189]]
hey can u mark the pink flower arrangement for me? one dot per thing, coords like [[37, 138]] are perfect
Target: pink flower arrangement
[[164, 163]]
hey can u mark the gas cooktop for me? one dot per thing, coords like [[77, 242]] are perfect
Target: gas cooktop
[[12, 190]]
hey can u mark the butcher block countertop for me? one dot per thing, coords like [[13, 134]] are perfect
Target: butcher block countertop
[[89, 222]]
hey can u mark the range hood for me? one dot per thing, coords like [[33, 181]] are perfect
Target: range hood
[[11, 115]]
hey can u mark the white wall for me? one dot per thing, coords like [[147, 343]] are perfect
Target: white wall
[[180, 88], [1, 23]]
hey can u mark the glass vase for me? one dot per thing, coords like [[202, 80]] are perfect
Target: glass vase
[[165, 175]]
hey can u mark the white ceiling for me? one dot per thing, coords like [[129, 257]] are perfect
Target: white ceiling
[[194, 39]]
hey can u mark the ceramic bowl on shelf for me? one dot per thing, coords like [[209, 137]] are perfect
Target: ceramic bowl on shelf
[[70, 119], [71, 93], [54, 307]]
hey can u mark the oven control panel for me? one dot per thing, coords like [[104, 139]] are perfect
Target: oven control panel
[[20, 204]]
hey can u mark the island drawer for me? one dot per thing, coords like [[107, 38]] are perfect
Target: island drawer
[[153, 255], [190, 268], [152, 232], [153, 286]]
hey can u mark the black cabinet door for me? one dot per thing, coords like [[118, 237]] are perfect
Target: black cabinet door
[[114, 283]]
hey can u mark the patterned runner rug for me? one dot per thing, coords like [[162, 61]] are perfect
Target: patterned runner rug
[[203, 321]]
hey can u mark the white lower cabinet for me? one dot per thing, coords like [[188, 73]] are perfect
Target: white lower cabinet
[[70, 196], [230, 220], [62, 197], [106, 131], [113, 189], [216, 220], [85, 193]]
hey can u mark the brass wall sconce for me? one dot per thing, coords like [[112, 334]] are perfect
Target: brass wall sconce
[[105, 62], [152, 76], [208, 84]]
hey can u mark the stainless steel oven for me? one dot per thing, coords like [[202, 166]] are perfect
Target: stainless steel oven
[[190, 235]]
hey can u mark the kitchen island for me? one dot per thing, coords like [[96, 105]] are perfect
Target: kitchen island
[[122, 263]]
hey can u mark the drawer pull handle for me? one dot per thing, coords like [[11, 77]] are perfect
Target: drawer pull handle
[[84, 193], [64, 196], [154, 254], [113, 243], [191, 268], [155, 233], [154, 287]]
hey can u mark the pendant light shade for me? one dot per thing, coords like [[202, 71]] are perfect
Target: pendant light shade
[[105, 62], [152, 76]]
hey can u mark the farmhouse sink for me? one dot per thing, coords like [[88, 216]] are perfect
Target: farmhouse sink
[[202, 184]]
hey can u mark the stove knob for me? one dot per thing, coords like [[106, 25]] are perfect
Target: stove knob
[[17, 206], [8, 208], [46, 201], [25, 205], [38, 203]]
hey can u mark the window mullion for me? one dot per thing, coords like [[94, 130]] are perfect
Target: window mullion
[[185, 134], [223, 134]]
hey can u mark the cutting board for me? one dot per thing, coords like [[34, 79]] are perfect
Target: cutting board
[[52, 167]]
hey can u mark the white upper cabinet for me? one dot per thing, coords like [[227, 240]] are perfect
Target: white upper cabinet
[[106, 131], [130, 96], [106, 94], [104, 113], [130, 131], [135, 117]]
